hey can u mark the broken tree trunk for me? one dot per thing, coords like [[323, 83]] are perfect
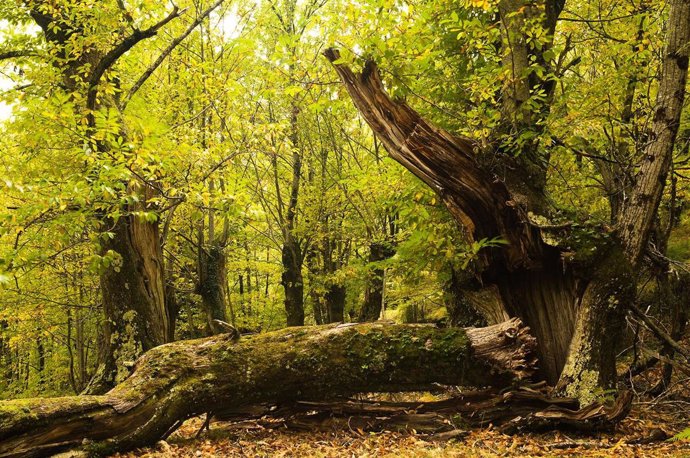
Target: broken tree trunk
[[176, 381]]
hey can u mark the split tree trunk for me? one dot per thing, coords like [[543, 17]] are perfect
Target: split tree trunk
[[173, 382], [527, 276]]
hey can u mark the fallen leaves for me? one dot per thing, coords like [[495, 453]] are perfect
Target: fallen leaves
[[226, 440]]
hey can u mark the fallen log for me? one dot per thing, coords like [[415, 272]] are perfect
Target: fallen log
[[179, 380]]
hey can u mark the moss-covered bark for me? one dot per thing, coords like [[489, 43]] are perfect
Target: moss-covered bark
[[175, 381]]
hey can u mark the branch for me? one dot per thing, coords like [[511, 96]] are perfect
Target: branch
[[117, 52], [149, 71], [660, 333], [17, 53]]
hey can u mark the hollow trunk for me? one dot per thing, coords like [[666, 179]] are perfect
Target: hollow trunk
[[173, 382]]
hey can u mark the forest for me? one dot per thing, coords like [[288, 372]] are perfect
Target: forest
[[344, 228]]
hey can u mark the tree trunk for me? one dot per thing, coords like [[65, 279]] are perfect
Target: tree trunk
[[133, 297], [292, 282], [569, 292], [213, 285], [292, 254], [335, 303], [173, 382], [373, 295], [528, 275], [133, 291], [591, 358]]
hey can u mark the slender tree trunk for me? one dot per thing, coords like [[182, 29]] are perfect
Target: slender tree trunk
[[213, 285], [292, 254], [41, 357], [292, 282], [373, 294]]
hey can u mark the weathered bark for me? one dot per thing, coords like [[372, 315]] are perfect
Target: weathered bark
[[529, 275], [133, 293], [173, 382]]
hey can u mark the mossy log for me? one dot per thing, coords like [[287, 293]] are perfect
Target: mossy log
[[175, 381]]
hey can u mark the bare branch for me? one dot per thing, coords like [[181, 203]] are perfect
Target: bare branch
[[152, 68], [118, 51], [17, 53], [658, 332]]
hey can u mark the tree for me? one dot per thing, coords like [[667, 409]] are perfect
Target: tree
[[574, 307], [175, 381]]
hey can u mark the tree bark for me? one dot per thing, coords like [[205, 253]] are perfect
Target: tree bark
[[293, 282], [173, 382], [639, 211], [292, 253], [591, 358], [133, 297], [529, 276]]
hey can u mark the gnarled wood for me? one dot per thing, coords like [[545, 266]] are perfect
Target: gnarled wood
[[445, 162]]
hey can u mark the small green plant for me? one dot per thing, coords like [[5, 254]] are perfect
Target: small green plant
[[682, 436]]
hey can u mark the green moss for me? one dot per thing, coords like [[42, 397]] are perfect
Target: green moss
[[100, 449]]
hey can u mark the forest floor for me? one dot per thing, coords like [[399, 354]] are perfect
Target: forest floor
[[251, 439], [646, 432]]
